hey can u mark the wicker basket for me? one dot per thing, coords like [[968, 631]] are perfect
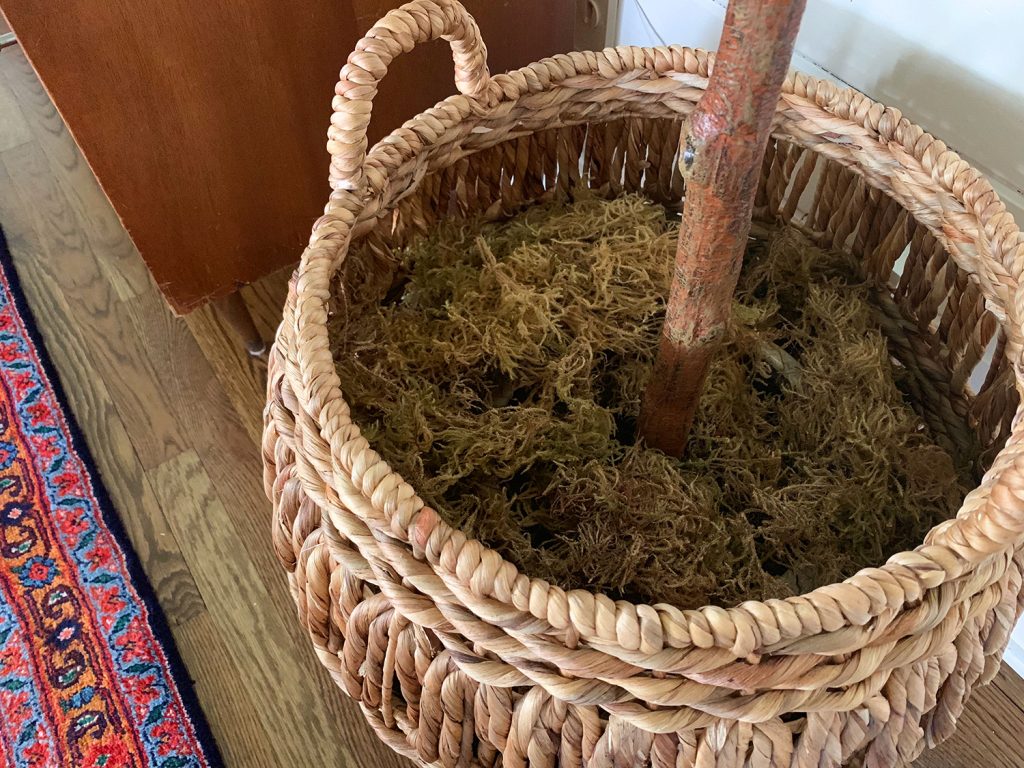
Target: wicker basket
[[457, 658]]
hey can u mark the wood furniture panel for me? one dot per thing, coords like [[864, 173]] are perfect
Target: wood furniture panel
[[206, 122]]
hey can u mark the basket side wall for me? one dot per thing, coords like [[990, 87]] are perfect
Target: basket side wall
[[431, 676]]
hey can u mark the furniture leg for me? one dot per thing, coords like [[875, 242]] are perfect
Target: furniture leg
[[234, 311]]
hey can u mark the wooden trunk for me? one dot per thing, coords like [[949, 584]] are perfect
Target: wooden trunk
[[723, 145]]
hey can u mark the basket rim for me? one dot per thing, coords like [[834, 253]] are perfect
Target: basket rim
[[930, 181]]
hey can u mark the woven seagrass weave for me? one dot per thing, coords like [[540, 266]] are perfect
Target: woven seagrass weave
[[456, 657]]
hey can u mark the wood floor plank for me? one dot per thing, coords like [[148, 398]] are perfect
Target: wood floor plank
[[215, 432], [1011, 684], [242, 377], [265, 299], [227, 445], [67, 257], [231, 459], [116, 253], [108, 441], [988, 733], [237, 600], [13, 128], [231, 711], [225, 701]]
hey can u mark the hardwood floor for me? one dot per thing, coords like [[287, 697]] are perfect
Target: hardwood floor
[[172, 412]]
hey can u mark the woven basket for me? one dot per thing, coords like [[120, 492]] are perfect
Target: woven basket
[[456, 657]]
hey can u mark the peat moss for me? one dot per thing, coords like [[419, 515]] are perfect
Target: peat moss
[[502, 377]]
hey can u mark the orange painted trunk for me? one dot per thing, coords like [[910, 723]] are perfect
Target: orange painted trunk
[[723, 146]]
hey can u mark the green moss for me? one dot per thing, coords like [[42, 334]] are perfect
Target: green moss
[[502, 378]]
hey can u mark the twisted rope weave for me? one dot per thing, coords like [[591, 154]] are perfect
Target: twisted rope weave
[[455, 655]]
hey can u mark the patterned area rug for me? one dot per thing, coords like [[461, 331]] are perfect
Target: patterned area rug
[[89, 676]]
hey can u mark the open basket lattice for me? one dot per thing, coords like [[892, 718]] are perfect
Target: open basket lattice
[[456, 657]]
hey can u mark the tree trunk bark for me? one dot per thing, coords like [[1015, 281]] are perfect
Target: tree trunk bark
[[723, 146]]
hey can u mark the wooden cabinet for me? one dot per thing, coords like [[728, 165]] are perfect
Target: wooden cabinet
[[206, 122]]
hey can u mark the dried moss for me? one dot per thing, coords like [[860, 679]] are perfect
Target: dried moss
[[503, 374]]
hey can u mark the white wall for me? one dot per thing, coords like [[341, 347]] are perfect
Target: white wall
[[955, 67]]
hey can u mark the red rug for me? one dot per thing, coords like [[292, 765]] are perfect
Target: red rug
[[89, 677]]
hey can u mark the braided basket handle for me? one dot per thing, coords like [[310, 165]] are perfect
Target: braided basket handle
[[398, 32]]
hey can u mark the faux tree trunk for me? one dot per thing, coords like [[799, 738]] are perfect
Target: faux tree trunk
[[723, 146]]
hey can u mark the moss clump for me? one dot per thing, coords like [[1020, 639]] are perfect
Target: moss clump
[[502, 377]]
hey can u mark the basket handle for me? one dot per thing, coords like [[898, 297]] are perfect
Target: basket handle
[[398, 32]]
